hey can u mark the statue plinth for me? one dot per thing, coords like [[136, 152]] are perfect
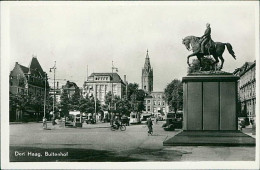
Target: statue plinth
[[210, 112], [210, 102]]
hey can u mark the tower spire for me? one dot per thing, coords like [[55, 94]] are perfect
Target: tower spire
[[147, 75]]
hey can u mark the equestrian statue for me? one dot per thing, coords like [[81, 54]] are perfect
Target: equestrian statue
[[205, 46]]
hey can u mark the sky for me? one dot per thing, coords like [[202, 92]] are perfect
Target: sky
[[91, 35]]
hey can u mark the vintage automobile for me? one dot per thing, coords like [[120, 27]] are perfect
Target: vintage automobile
[[172, 124], [173, 121]]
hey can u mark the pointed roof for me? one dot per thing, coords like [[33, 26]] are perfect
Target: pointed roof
[[35, 67], [147, 64]]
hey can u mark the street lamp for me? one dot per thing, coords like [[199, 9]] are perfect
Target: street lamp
[[53, 68], [113, 68], [44, 108]]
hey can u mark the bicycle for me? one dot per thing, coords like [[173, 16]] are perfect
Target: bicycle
[[150, 131], [115, 127]]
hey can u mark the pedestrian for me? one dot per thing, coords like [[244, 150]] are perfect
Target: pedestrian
[[150, 126], [156, 120], [44, 123]]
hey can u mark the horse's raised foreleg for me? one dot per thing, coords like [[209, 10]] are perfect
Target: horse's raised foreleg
[[188, 58]]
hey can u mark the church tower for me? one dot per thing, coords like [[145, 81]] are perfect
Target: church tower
[[147, 75]]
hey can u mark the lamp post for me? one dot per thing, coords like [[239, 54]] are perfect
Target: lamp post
[[113, 68], [44, 107], [53, 68]]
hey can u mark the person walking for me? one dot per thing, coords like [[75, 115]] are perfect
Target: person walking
[[44, 123], [150, 126]]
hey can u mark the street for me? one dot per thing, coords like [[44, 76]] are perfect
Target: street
[[97, 143]]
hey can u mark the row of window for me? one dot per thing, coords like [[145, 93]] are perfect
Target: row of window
[[102, 78], [33, 90], [156, 102], [155, 109], [159, 96], [100, 87], [247, 77], [247, 91]]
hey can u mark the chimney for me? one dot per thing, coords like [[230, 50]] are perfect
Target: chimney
[[57, 85], [125, 78]]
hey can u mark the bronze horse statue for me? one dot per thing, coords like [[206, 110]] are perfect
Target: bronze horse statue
[[216, 49]]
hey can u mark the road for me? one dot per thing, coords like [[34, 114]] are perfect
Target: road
[[95, 143]]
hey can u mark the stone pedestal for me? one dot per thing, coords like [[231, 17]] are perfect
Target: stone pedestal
[[209, 102], [209, 112]]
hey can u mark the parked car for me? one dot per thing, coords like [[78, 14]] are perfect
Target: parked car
[[172, 124]]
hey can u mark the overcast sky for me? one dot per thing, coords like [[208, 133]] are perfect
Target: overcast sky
[[86, 33]]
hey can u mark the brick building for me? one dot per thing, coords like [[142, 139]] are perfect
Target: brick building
[[28, 81]]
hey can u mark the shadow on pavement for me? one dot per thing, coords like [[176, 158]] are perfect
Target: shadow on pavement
[[36, 154]]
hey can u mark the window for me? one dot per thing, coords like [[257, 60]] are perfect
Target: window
[[154, 102], [148, 108], [159, 103], [148, 101]]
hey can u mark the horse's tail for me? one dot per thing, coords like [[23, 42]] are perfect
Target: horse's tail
[[230, 50]]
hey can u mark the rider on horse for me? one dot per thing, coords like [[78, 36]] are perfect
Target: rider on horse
[[206, 37]]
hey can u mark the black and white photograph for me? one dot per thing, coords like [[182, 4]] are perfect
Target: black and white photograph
[[130, 85]]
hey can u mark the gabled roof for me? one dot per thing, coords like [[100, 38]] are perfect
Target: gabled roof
[[24, 69], [34, 70], [242, 70]]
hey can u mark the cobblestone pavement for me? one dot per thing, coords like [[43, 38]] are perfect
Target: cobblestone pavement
[[97, 143]]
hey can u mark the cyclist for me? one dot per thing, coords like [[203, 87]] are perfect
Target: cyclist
[[117, 123]]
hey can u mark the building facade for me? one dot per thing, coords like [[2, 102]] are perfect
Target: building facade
[[247, 88], [99, 84], [155, 103], [28, 81], [147, 75]]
